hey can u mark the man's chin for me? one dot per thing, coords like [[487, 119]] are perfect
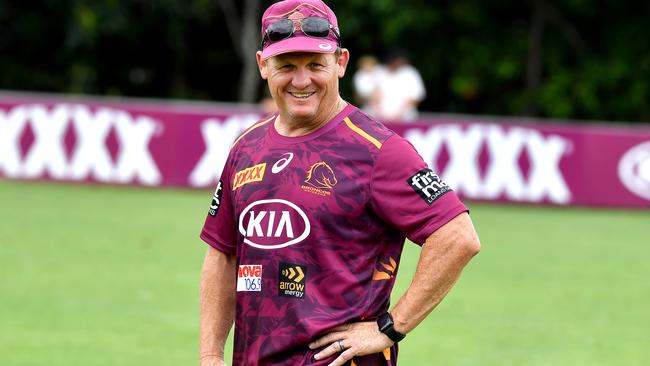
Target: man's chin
[[298, 115]]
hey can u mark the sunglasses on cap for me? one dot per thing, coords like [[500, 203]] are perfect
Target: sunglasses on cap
[[311, 26]]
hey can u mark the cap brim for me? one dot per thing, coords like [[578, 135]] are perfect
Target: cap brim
[[299, 44]]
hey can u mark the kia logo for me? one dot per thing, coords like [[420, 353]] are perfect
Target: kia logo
[[273, 224], [634, 170]]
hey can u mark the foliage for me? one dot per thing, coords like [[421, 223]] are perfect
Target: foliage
[[474, 55]]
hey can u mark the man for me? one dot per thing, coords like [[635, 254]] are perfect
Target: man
[[366, 82], [308, 221], [400, 89]]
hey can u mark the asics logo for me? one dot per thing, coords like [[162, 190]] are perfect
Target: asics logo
[[282, 163]]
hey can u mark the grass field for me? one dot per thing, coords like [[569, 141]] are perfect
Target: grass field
[[109, 276]]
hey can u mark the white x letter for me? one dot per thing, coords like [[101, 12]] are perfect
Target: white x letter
[[546, 177], [48, 151], [462, 172], [11, 128], [91, 155], [503, 172], [134, 159], [218, 137]]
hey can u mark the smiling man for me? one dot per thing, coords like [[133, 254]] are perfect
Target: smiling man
[[307, 224]]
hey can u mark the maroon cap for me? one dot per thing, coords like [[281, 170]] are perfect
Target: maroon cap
[[298, 42]]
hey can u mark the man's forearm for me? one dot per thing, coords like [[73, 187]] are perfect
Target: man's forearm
[[217, 302], [443, 257]]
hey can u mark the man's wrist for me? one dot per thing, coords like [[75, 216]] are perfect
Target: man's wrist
[[387, 326], [399, 323]]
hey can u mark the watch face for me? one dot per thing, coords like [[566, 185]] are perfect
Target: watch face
[[385, 322]]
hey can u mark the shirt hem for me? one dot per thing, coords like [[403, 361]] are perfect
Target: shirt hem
[[215, 244]]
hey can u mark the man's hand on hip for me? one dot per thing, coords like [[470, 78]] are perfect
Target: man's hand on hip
[[356, 339]]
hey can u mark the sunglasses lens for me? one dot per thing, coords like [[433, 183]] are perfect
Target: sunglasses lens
[[280, 30], [316, 27]]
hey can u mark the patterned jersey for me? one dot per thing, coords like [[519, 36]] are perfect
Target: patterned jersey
[[317, 224]]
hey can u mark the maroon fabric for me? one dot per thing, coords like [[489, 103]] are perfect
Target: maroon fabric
[[331, 209]]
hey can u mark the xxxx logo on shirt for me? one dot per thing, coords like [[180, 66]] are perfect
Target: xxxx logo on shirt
[[249, 175], [320, 179]]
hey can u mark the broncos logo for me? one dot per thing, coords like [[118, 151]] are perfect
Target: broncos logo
[[321, 176]]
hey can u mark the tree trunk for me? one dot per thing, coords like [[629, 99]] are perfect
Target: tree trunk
[[534, 64], [249, 79]]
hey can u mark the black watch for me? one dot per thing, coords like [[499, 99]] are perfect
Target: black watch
[[386, 323]]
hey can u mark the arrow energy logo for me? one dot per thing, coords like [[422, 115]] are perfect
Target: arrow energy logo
[[292, 282]]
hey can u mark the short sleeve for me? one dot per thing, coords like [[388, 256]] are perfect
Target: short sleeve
[[219, 229], [408, 195]]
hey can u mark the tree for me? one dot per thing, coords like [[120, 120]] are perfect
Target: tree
[[584, 59], [244, 30]]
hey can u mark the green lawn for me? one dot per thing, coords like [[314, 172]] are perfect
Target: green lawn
[[109, 276]]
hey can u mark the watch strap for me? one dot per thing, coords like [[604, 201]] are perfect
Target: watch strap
[[386, 326]]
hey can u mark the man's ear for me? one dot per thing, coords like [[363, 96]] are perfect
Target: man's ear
[[262, 64], [343, 60]]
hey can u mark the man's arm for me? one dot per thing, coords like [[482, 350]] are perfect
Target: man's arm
[[217, 305], [444, 255]]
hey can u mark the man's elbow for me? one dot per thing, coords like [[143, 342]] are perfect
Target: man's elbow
[[470, 244], [468, 238], [473, 247]]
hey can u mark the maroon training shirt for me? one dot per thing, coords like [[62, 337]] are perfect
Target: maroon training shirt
[[317, 223]]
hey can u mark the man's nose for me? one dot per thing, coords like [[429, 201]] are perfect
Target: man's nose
[[301, 78]]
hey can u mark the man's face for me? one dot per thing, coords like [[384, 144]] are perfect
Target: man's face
[[305, 86]]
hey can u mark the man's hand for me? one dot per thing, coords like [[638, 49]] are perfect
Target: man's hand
[[212, 360], [357, 339]]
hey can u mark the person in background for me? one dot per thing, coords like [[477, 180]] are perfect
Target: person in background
[[366, 82], [308, 221], [400, 90]]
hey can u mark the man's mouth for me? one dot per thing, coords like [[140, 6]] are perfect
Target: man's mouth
[[301, 95]]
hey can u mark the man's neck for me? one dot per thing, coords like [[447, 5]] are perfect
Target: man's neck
[[287, 127]]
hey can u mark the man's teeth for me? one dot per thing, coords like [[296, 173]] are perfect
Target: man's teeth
[[301, 95]]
